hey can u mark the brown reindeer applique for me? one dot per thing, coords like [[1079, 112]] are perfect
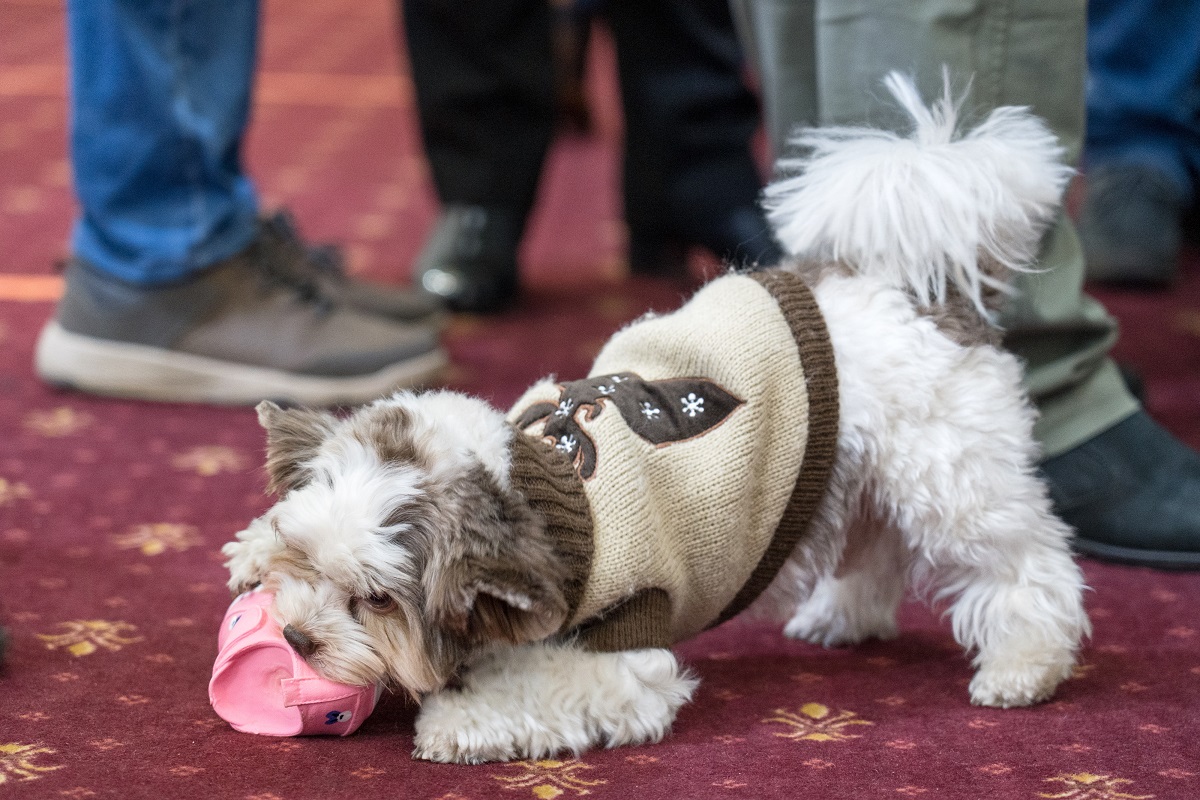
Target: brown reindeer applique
[[661, 412]]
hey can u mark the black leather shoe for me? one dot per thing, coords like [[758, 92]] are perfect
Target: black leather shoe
[[1132, 494], [470, 259], [741, 238]]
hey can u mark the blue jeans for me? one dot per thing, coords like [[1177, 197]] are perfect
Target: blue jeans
[[160, 97], [1143, 97]]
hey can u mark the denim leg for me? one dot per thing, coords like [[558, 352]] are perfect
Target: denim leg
[[1143, 95], [160, 96]]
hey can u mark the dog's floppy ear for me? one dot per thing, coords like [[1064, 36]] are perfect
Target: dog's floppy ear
[[500, 604], [496, 576], [293, 438]]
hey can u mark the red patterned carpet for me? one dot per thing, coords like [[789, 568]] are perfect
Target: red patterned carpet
[[111, 513]]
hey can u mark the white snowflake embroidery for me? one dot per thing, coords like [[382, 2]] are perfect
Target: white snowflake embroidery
[[692, 405], [617, 379], [607, 391], [565, 408], [566, 444], [649, 411]]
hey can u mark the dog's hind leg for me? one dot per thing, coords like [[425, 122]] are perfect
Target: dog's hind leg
[[541, 699], [1016, 598], [859, 600], [954, 470]]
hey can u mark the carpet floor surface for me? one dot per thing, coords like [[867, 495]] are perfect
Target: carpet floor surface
[[112, 512]]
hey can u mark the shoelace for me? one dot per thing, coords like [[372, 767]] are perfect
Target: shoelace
[[322, 259], [328, 259], [282, 257]]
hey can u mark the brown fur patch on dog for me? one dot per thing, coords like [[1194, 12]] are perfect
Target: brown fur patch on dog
[[959, 320], [388, 430], [957, 317], [497, 575], [293, 438]]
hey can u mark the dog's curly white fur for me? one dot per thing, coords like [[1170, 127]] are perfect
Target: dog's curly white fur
[[401, 552]]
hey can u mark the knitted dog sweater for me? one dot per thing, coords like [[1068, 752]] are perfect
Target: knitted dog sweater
[[680, 475]]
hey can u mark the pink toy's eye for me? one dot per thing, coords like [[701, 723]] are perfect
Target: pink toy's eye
[[380, 602]]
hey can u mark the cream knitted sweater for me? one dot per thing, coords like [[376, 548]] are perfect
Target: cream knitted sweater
[[702, 442]]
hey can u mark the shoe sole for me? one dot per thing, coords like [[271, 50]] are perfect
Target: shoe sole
[[122, 369], [1157, 559]]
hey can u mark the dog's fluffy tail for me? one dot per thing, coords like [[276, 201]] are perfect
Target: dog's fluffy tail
[[929, 211]]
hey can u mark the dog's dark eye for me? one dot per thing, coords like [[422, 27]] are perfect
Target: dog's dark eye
[[380, 602]]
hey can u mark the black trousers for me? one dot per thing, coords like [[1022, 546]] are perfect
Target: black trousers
[[485, 90]]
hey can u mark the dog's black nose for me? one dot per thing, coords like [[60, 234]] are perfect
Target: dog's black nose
[[299, 641]]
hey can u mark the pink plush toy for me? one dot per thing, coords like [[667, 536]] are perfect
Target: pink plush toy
[[261, 685]]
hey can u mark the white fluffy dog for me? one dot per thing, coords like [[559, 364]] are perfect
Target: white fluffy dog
[[428, 542]]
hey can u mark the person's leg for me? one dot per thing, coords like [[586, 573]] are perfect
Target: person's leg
[[1022, 52], [1143, 137], [1143, 94], [177, 290], [485, 98], [160, 94], [1011, 56], [779, 37], [690, 177]]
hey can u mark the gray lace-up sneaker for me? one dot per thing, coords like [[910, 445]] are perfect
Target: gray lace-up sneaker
[[322, 264], [248, 329]]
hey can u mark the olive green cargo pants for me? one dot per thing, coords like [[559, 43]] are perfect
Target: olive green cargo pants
[[821, 62]]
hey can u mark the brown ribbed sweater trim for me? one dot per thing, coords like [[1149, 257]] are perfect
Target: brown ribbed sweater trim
[[641, 621], [547, 480], [820, 375]]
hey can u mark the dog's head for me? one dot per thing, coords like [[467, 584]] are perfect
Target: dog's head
[[400, 544]]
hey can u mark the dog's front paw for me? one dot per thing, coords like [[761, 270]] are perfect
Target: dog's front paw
[[1017, 682], [452, 728], [447, 748], [250, 555], [537, 701], [244, 573]]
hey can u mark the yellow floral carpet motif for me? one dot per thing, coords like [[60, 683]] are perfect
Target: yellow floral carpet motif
[[157, 537], [12, 491], [813, 723], [548, 779], [57, 422], [83, 637], [1085, 786], [209, 460], [16, 762]]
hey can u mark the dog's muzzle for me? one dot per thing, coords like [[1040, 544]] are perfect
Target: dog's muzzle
[[299, 641]]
